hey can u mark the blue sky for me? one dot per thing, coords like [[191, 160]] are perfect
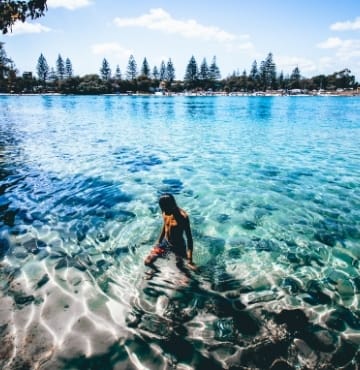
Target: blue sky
[[318, 36]]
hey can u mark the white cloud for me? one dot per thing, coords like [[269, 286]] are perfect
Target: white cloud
[[159, 19], [346, 26], [111, 49], [345, 49], [24, 28], [344, 53], [246, 46], [350, 49], [327, 64], [68, 4], [330, 43]]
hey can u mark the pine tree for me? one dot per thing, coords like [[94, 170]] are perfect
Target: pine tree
[[270, 71], [244, 80], [68, 68], [131, 71], [11, 77], [118, 73], [263, 75], [42, 68], [145, 69], [191, 74], [254, 73], [254, 76], [60, 68], [281, 80], [162, 75], [295, 78], [214, 70], [52, 76], [155, 73], [267, 73], [105, 70], [4, 62], [170, 71], [204, 73]]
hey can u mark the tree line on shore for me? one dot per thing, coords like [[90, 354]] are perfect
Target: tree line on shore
[[198, 77]]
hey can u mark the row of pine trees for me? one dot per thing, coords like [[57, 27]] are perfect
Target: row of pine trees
[[61, 78], [264, 76], [165, 72]]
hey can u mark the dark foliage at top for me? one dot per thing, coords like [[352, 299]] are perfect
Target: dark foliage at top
[[12, 11]]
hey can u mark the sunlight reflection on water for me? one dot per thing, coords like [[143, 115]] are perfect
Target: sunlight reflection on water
[[272, 189]]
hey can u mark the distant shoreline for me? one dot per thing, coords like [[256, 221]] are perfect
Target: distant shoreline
[[204, 94]]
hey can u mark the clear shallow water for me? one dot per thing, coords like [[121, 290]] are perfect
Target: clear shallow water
[[272, 188]]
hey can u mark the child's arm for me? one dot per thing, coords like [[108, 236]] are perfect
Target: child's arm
[[189, 244], [162, 234]]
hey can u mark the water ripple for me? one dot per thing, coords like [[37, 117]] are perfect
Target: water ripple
[[271, 186]]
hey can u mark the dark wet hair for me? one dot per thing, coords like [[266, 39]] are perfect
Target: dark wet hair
[[167, 203]]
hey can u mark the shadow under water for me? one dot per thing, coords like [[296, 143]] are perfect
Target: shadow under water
[[200, 320]]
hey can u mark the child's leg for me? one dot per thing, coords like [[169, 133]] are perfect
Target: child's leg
[[150, 259], [156, 252]]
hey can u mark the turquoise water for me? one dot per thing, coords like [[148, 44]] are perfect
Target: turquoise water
[[271, 185]]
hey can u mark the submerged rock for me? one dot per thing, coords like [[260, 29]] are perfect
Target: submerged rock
[[9, 273], [342, 315], [222, 218], [143, 163], [246, 323], [9, 217], [326, 238], [235, 252], [62, 263], [34, 245], [173, 186], [323, 340], [219, 306], [4, 247], [23, 300], [42, 281], [316, 296], [292, 285], [216, 246], [292, 257], [335, 321], [345, 354], [248, 225], [266, 245], [295, 320]]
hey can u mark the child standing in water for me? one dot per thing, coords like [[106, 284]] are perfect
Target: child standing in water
[[176, 224]]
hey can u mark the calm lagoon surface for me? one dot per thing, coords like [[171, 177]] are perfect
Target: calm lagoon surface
[[272, 187]]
